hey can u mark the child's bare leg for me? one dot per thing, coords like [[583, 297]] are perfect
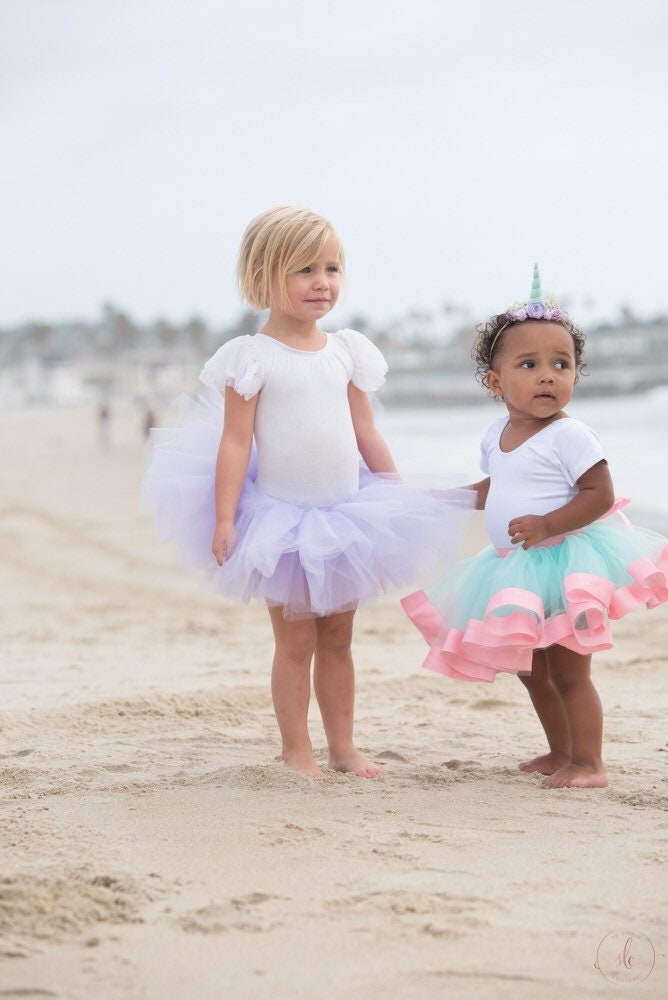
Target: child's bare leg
[[550, 711], [570, 673], [334, 684], [291, 689]]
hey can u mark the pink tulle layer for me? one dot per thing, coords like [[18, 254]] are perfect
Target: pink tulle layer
[[515, 624]]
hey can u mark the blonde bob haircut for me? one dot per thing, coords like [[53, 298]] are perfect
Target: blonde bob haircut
[[279, 242]]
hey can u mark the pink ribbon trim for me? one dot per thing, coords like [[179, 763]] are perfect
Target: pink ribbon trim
[[505, 643]]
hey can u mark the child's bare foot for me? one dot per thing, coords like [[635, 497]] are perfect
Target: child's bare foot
[[547, 764], [303, 762], [353, 760], [577, 776]]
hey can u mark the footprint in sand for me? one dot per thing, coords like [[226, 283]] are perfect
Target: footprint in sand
[[246, 913], [490, 703]]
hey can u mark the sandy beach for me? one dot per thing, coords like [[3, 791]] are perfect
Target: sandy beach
[[152, 844]]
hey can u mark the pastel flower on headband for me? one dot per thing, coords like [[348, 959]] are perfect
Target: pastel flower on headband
[[535, 310], [536, 307]]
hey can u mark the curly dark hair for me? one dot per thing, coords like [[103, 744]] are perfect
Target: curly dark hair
[[490, 337]]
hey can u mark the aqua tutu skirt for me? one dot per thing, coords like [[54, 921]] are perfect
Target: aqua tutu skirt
[[312, 561], [491, 612]]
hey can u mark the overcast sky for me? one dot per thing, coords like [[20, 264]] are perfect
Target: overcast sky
[[452, 143]]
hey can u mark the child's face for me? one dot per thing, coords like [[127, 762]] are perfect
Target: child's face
[[535, 369], [314, 290]]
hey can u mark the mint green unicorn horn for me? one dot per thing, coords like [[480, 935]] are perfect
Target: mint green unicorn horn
[[536, 293]]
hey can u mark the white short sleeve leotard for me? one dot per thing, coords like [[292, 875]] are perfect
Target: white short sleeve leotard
[[538, 476], [306, 448]]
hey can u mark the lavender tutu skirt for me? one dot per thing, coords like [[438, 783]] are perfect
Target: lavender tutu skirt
[[313, 561], [491, 613]]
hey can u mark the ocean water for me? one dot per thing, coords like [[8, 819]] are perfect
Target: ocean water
[[633, 431]]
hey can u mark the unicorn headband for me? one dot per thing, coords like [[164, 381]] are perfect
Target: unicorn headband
[[535, 308]]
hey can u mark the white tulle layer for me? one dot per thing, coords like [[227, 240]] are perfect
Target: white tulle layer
[[311, 560]]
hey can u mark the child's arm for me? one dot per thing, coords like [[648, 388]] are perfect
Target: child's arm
[[481, 490], [370, 442], [594, 498], [231, 466]]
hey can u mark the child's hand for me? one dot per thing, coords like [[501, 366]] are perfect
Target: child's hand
[[223, 541], [528, 530]]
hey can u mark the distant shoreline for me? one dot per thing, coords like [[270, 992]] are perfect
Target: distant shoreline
[[429, 389]]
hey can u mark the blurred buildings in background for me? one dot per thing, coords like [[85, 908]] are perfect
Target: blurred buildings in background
[[430, 362]]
